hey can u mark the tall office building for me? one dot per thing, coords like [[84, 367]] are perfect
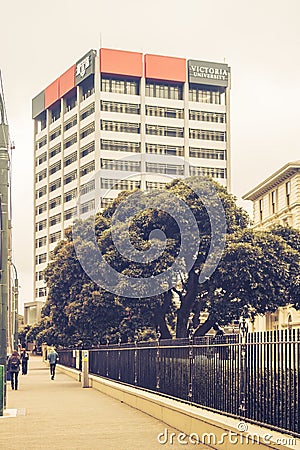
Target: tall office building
[[137, 121]]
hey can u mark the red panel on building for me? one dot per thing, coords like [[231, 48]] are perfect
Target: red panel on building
[[67, 81], [52, 93], [165, 68], [120, 62]]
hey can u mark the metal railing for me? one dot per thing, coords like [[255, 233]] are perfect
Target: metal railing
[[70, 358], [251, 375]]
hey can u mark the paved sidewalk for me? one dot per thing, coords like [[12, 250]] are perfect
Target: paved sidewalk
[[61, 415]]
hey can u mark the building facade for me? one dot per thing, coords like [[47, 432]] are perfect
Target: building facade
[[137, 120], [277, 200]]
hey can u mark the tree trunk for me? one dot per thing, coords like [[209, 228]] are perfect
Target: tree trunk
[[205, 327], [160, 316], [187, 305]]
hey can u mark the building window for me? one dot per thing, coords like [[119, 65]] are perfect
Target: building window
[[120, 85], [41, 242], [171, 169], [41, 225], [159, 111], [288, 192], [39, 276], [208, 135], [68, 196], [55, 112], [214, 172], [41, 159], [54, 220], [41, 122], [70, 100], [122, 185], [90, 128], [70, 141], [55, 185], [87, 168], [54, 237], [155, 185], [55, 133], [203, 94], [160, 149], [120, 146], [55, 168], [164, 90], [41, 142], [55, 202], [69, 177], [41, 208], [260, 209], [87, 111], [120, 127], [70, 213], [40, 259], [87, 207], [71, 123], [87, 187], [54, 151], [70, 159], [87, 149], [106, 202], [87, 87], [39, 292], [41, 175], [207, 153], [273, 202], [206, 116], [40, 192], [125, 108], [114, 164], [158, 130]]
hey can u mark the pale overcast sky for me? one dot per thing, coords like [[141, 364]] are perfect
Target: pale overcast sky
[[259, 39]]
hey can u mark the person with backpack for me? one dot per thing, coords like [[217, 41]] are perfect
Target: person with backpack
[[24, 360], [13, 366], [52, 358]]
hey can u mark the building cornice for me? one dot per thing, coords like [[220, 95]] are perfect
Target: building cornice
[[278, 177]]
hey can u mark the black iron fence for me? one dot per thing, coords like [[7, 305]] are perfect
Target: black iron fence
[[70, 358], [252, 375]]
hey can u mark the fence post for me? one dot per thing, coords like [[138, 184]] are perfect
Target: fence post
[[191, 361], [107, 344], [85, 369], [158, 360], [135, 360], [243, 369], [119, 358], [2, 385]]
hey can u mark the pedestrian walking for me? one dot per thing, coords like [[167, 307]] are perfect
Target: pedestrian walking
[[24, 360], [52, 358], [13, 366]]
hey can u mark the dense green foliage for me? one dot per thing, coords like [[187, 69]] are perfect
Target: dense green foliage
[[257, 273]]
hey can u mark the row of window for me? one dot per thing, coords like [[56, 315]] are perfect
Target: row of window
[[159, 89], [273, 201], [85, 150], [84, 170]]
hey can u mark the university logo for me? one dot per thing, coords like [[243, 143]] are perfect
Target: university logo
[[82, 66]]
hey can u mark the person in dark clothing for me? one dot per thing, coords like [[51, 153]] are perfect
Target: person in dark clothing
[[24, 360], [13, 366], [52, 358]]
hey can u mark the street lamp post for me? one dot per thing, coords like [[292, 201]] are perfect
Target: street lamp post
[[4, 236]]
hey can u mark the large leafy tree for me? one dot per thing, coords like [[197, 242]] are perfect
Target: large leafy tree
[[258, 271]]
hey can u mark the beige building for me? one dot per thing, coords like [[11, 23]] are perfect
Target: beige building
[[277, 200], [137, 121]]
